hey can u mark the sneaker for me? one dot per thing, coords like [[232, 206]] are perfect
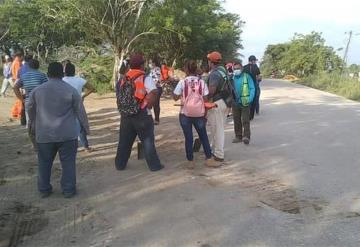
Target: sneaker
[[45, 194], [156, 122], [218, 159], [237, 140], [246, 140], [89, 149], [190, 165], [212, 163]]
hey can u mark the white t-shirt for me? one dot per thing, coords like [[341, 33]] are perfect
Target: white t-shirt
[[149, 86], [76, 82], [181, 85]]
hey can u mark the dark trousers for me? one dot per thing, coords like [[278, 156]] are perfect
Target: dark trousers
[[241, 115], [141, 125], [67, 154], [255, 106], [200, 126], [157, 104]]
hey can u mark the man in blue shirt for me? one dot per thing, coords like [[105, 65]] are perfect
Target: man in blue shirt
[[29, 81]]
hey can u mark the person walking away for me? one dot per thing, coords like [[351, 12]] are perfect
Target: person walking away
[[28, 82], [17, 108], [253, 70], [244, 93], [193, 93], [136, 95], [7, 75], [80, 85], [53, 109], [155, 72], [220, 94]]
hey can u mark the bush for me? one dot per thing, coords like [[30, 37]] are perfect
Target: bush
[[334, 83], [98, 70]]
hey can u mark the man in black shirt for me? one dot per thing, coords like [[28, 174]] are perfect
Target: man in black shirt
[[253, 70]]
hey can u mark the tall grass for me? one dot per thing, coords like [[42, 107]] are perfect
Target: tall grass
[[334, 83]]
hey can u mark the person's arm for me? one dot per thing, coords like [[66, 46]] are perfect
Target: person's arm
[[17, 91], [214, 79], [251, 88], [178, 91], [80, 112], [32, 112], [89, 89]]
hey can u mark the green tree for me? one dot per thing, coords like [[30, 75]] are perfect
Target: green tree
[[302, 56], [190, 29]]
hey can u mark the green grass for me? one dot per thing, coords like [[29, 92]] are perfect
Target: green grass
[[334, 83]]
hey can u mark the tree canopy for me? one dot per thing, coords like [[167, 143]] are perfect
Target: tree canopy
[[302, 56]]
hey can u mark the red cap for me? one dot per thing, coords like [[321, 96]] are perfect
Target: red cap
[[214, 57], [136, 60]]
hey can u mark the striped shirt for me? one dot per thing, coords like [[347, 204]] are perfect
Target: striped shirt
[[30, 80]]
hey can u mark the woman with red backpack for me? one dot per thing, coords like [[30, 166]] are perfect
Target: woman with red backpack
[[193, 91]]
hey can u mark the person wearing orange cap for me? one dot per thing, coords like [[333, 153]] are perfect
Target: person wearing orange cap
[[220, 94], [136, 94]]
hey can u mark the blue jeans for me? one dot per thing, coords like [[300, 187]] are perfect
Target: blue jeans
[[200, 126], [141, 125], [67, 154]]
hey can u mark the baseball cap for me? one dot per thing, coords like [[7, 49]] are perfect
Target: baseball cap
[[214, 57], [136, 60]]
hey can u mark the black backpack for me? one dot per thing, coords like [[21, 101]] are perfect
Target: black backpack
[[226, 89], [127, 104]]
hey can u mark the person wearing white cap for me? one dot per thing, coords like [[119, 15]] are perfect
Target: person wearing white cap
[[6, 74]]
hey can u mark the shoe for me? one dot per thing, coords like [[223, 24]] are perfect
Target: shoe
[[69, 195], [158, 169], [246, 140], [237, 140], [190, 165], [197, 145], [45, 194], [212, 163], [218, 159], [156, 122], [89, 149]]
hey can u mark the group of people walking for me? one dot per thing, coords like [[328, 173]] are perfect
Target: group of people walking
[[56, 116], [203, 103]]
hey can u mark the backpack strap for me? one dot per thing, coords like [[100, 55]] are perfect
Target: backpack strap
[[186, 89]]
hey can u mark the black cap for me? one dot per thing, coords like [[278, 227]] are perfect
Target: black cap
[[252, 58]]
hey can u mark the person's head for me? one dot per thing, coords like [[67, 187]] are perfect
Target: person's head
[[19, 55], [69, 69], [137, 61], [214, 59], [28, 58], [154, 62], [55, 70], [237, 67], [34, 64], [252, 59], [7, 59], [191, 67]]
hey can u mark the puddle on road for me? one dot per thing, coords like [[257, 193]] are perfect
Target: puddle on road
[[19, 221]]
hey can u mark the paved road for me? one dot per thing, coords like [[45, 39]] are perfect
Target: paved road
[[297, 184]]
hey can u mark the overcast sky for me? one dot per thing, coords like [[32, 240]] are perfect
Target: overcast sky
[[275, 21]]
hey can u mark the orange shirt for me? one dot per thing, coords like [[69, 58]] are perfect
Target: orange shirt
[[15, 67]]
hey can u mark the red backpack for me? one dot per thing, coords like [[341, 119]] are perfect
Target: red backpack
[[193, 101]]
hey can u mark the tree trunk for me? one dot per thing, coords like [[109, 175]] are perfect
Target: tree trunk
[[118, 60]]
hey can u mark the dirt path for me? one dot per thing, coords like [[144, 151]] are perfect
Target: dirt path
[[275, 192]]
